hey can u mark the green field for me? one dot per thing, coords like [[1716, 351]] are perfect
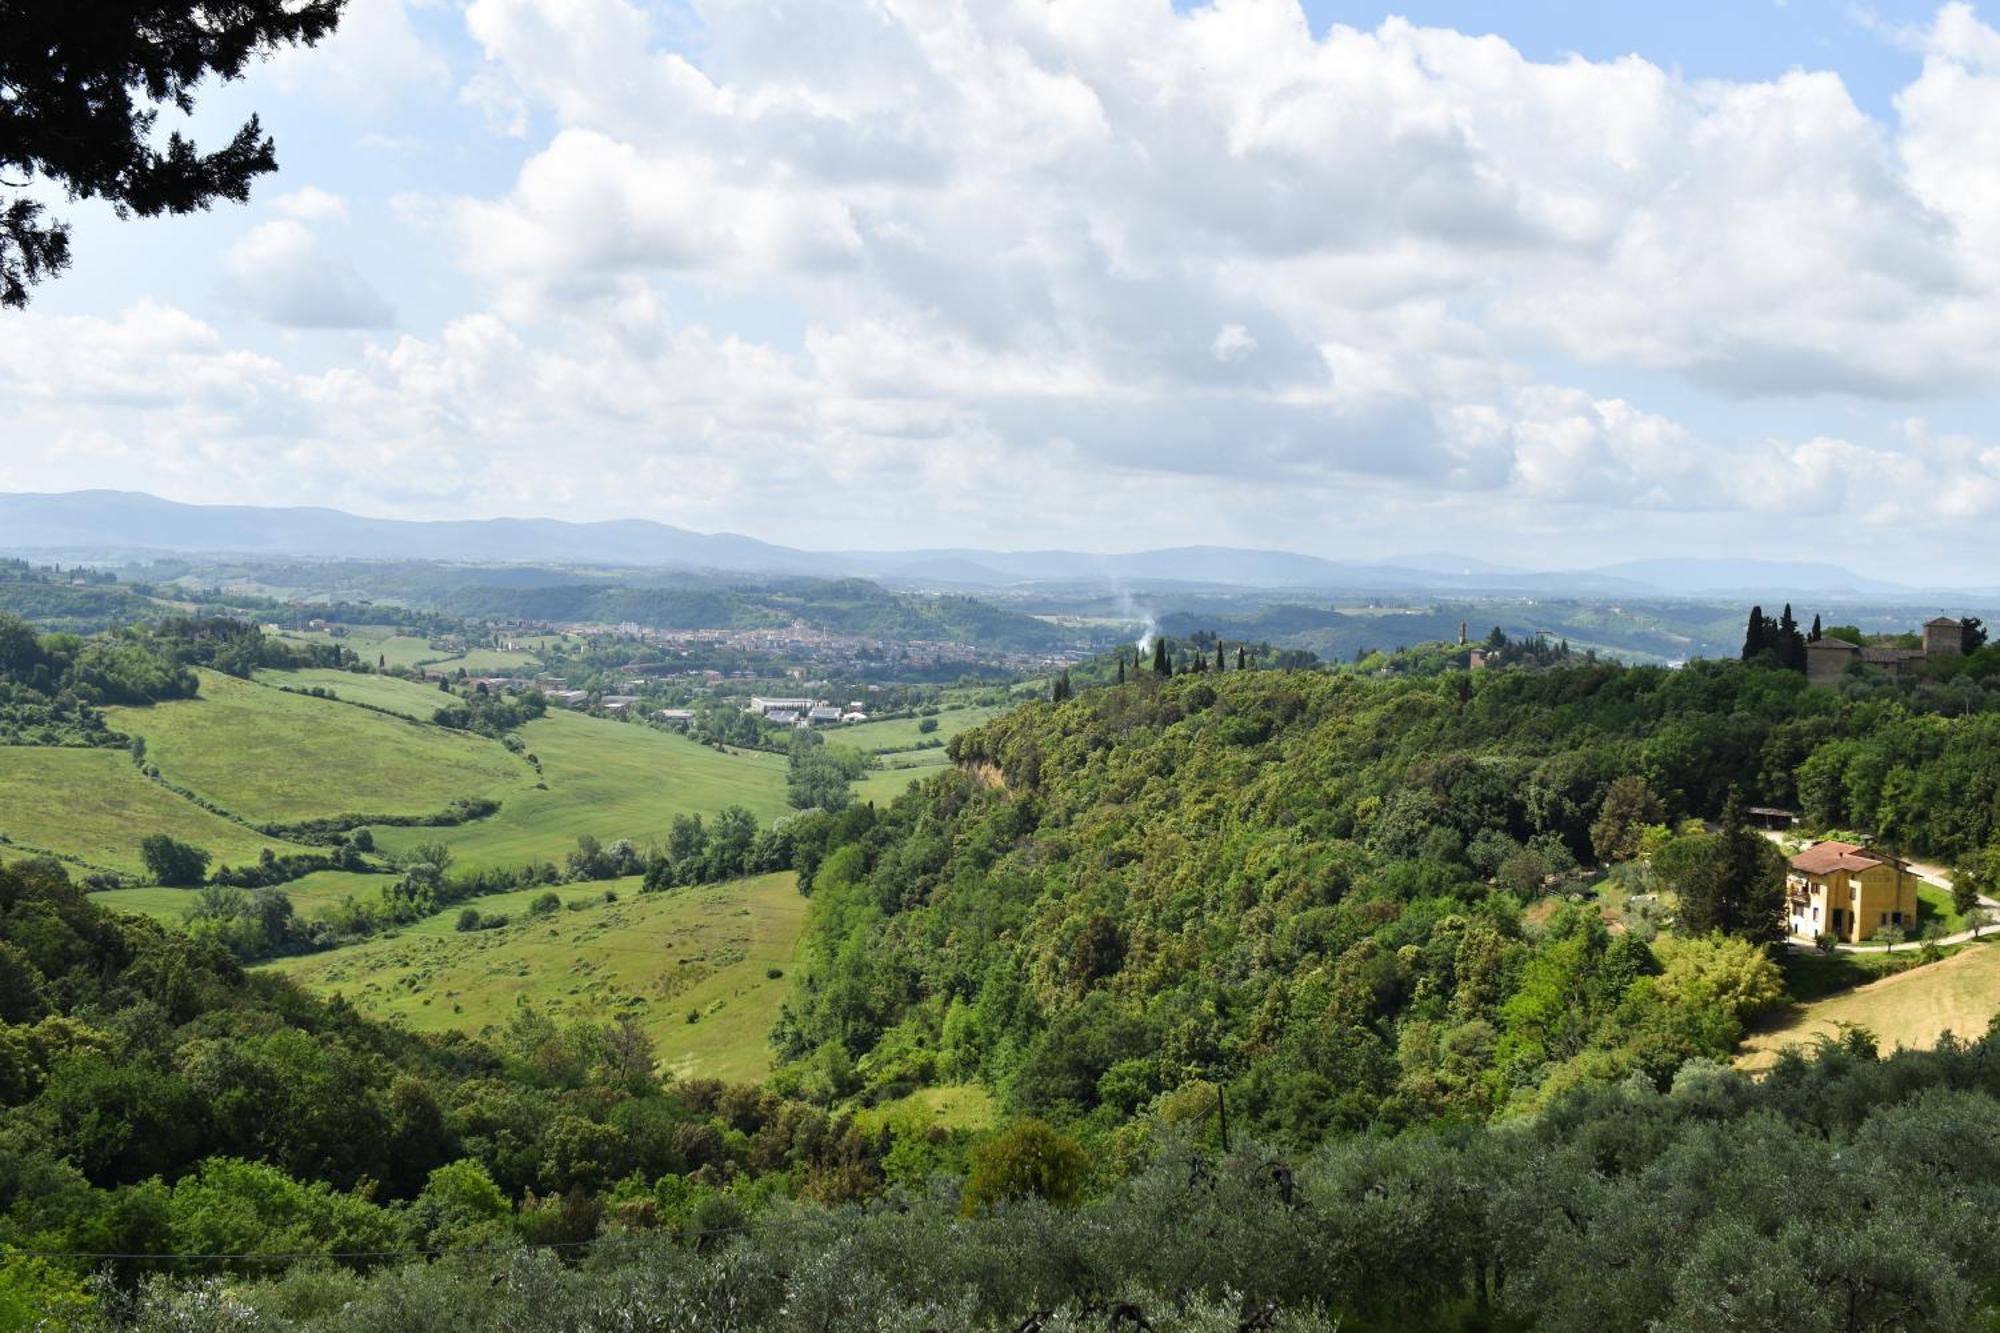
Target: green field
[[407, 697], [95, 804], [383, 645], [659, 956], [310, 895], [886, 784], [1960, 994], [609, 779], [901, 733], [272, 756]]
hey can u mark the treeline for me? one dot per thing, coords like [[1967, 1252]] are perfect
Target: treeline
[[1329, 893], [52, 685], [1842, 1191], [247, 912]]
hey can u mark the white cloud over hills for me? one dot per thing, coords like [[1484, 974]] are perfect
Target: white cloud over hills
[[1105, 274]]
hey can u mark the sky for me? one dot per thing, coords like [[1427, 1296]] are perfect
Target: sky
[[1555, 284]]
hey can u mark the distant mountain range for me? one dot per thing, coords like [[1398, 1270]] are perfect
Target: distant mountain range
[[82, 525]]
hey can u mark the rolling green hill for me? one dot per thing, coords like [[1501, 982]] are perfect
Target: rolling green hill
[[408, 697], [706, 951], [611, 780], [270, 756], [95, 805]]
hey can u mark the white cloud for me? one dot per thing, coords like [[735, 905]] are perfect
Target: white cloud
[[372, 62], [280, 272], [310, 204]]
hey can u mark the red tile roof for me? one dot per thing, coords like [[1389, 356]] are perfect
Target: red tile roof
[[1824, 858]]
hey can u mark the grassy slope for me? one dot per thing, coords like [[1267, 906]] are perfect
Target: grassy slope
[[310, 895], [381, 644], [269, 755], [1960, 994], [96, 805], [901, 733], [886, 784], [656, 955], [612, 780], [406, 697]]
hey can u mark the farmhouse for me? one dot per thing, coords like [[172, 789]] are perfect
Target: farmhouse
[[1848, 891], [618, 703], [675, 717], [822, 715], [569, 698], [1827, 659]]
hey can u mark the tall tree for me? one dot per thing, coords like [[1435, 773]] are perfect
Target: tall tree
[[1121, 666], [1241, 659], [1753, 635], [1219, 664], [1162, 665], [84, 82], [1791, 644], [1814, 635], [1973, 634]]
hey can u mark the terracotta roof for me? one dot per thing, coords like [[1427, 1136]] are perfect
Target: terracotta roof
[[1842, 644], [1873, 653], [1944, 620], [1823, 858]]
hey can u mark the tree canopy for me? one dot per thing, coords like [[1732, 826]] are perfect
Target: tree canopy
[[82, 84]]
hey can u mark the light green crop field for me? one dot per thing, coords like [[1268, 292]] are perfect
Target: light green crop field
[[407, 697], [886, 784], [376, 643], [269, 755], [660, 957], [609, 779], [1960, 994], [310, 895], [486, 661], [95, 804], [901, 733]]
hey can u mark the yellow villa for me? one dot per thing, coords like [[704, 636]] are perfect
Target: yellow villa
[[1849, 892]]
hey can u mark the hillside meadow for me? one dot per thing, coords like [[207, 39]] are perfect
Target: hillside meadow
[[608, 779], [408, 698], [1909, 1010], [271, 756], [706, 952], [95, 805]]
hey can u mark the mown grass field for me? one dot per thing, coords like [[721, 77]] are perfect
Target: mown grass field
[[406, 697], [706, 951], [95, 804], [379, 644], [611, 780], [901, 733], [1959, 994], [270, 756]]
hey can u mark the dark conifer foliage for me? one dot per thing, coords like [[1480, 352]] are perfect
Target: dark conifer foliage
[[84, 81]]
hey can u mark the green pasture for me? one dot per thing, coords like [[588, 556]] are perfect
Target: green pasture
[[901, 733], [311, 895], [268, 755], [703, 951], [886, 784], [408, 697], [95, 804], [609, 779]]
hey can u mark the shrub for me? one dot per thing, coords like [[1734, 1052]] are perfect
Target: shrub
[[547, 903], [1028, 1159], [469, 919], [174, 863]]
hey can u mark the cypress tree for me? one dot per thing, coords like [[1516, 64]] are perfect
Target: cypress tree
[[1240, 659], [1161, 666], [1814, 635], [1218, 656], [1121, 666], [1753, 634]]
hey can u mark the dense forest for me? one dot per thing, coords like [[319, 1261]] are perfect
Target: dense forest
[[1328, 893]]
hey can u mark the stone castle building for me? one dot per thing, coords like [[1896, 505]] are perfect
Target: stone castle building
[[1827, 660]]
